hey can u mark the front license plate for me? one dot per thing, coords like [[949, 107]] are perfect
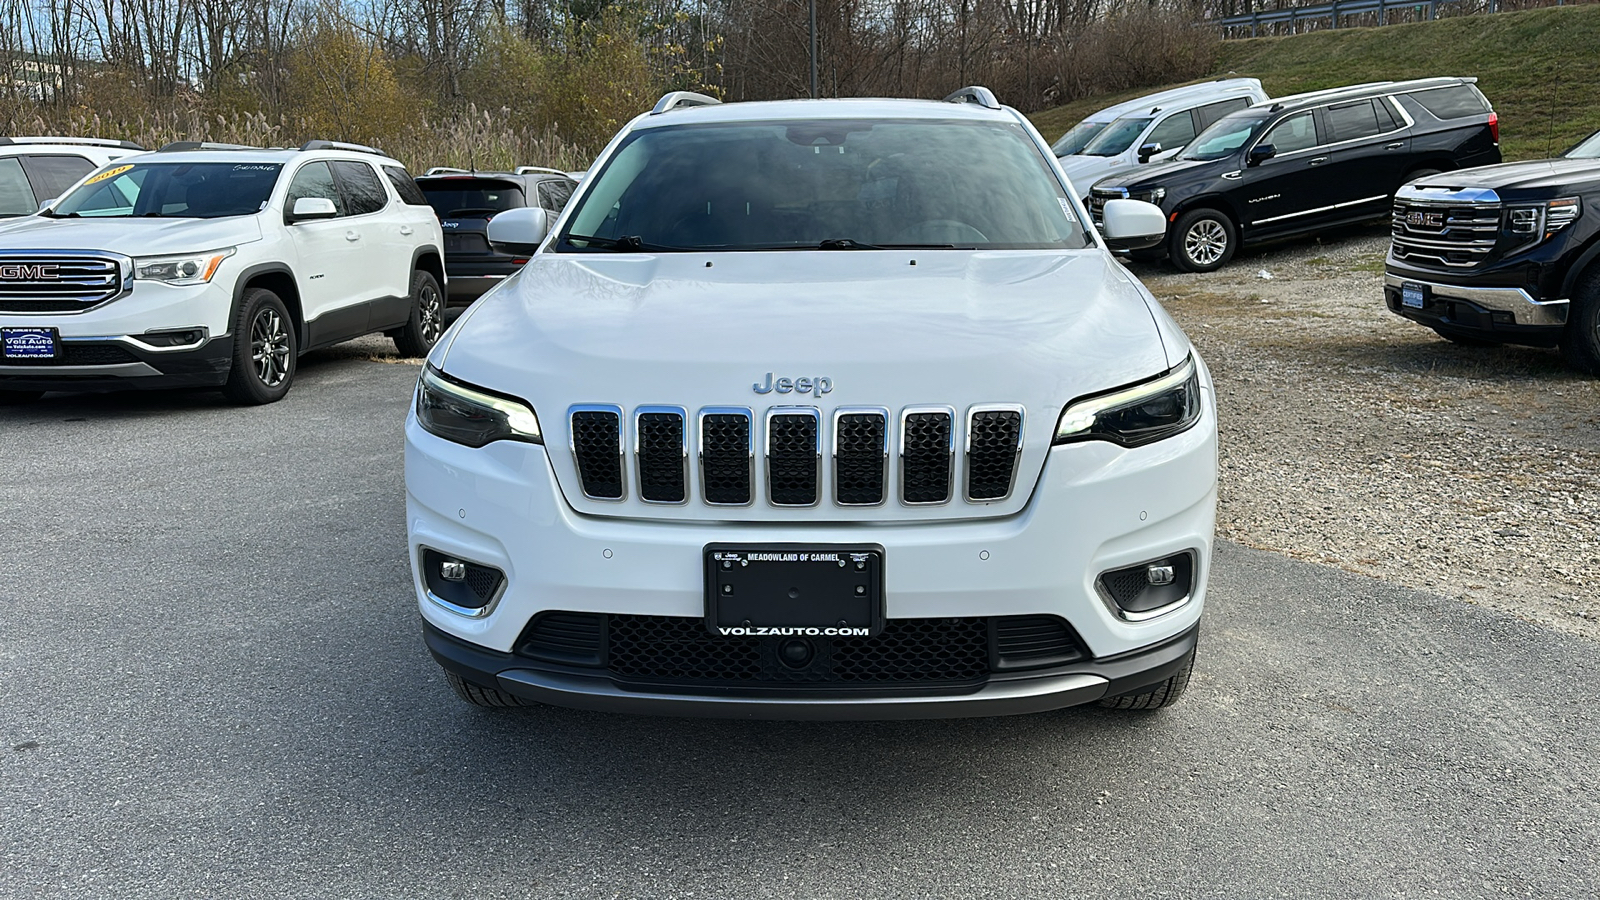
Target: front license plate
[[28, 343], [1413, 295], [794, 590]]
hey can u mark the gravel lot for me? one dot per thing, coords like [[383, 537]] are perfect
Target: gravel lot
[[1355, 438]]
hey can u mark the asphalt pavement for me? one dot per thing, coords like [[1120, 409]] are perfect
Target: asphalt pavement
[[212, 684]]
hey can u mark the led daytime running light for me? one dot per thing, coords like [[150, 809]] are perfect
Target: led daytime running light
[[1080, 417]]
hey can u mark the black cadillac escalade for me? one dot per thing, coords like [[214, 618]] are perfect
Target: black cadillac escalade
[[1506, 254], [1301, 164]]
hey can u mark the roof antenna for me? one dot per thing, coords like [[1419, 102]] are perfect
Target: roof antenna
[[1550, 141]]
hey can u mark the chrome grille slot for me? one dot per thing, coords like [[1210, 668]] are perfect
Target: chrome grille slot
[[45, 282], [927, 450], [794, 456], [994, 446], [860, 456], [661, 445], [1453, 235], [727, 455], [597, 449]]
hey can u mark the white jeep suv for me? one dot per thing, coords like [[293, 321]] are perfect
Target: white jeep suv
[[214, 266], [816, 409]]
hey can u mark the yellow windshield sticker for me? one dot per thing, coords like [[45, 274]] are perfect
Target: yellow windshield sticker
[[109, 173]]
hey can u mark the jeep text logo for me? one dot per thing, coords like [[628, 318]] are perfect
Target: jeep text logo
[[1425, 219], [815, 386], [41, 272]]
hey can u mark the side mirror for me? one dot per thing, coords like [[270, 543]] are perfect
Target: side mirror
[[1133, 224], [519, 231], [1148, 150], [1260, 153], [312, 208]]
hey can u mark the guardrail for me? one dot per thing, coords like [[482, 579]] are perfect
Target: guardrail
[[1336, 10]]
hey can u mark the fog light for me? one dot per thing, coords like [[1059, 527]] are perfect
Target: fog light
[[460, 586], [1149, 589], [451, 570]]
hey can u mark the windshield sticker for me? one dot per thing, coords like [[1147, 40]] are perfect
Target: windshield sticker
[[255, 167], [1065, 206], [109, 173]]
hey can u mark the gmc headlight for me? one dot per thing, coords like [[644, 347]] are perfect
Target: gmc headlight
[[471, 416], [1153, 195], [1540, 221], [1137, 415], [195, 268]]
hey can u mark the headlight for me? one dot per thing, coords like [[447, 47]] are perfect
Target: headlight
[[1136, 415], [1540, 221], [1153, 195], [470, 416], [195, 268]]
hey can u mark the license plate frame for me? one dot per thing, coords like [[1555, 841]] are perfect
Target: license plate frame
[[1413, 295], [29, 342], [800, 590]]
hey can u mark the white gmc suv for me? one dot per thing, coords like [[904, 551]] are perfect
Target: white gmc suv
[[816, 409], [205, 265]]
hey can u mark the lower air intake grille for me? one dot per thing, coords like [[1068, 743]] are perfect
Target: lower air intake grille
[[793, 448], [860, 452], [597, 445], [926, 454], [1125, 584], [77, 354], [564, 637], [1025, 642], [994, 439], [662, 453], [725, 455]]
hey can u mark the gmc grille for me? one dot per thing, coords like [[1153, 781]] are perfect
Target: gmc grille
[[724, 441], [46, 282], [1456, 236]]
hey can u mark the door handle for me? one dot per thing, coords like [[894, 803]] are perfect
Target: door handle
[[352, 236], [1394, 146], [1319, 160], [1234, 174], [405, 229]]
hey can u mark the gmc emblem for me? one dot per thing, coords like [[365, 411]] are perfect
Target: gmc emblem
[[1425, 219], [40, 272]]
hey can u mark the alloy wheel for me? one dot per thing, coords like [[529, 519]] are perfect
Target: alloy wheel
[[1205, 242], [430, 313], [269, 347]]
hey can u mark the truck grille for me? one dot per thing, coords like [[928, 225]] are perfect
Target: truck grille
[[57, 282], [1097, 203], [1456, 236], [724, 442]]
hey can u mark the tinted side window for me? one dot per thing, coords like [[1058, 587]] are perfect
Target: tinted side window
[[1349, 121], [52, 175], [1214, 111], [1452, 102], [1173, 132], [1298, 132], [16, 198], [553, 195], [1387, 120], [404, 186], [362, 189], [314, 180]]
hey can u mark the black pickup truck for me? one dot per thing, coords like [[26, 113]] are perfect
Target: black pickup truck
[[1506, 254]]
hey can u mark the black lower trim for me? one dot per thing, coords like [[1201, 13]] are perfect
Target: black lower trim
[[135, 368], [1465, 319], [1001, 693]]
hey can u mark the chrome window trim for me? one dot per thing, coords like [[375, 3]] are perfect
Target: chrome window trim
[[1322, 148], [949, 476], [838, 414], [638, 456], [750, 448], [622, 443], [1016, 459], [816, 447], [1307, 212]]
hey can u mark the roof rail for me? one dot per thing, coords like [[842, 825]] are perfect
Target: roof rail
[[447, 170], [672, 101], [180, 146], [974, 94], [534, 170], [90, 142], [341, 145]]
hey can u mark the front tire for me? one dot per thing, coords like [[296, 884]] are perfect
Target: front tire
[[478, 695], [264, 350], [1580, 340], [1161, 696], [426, 325], [1203, 241]]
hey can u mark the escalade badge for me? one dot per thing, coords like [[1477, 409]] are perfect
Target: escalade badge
[[815, 386], [1426, 219], [41, 272]]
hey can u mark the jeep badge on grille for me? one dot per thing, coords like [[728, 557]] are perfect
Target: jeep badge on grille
[[815, 386]]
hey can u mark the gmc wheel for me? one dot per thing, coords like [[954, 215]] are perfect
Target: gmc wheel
[[1203, 241]]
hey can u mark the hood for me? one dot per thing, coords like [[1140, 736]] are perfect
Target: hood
[[1083, 171], [129, 236], [1548, 177], [694, 330], [1154, 174]]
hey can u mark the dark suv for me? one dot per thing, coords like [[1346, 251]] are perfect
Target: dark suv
[[1507, 254], [1304, 163], [467, 200]]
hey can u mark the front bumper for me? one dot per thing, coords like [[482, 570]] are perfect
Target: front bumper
[[120, 364], [1497, 313]]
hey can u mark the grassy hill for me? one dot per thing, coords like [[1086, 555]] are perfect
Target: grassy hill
[[1538, 67]]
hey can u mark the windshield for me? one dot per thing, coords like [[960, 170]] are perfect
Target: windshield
[[1077, 138], [1588, 148], [1225, 136], [829, 184], [173, 189], [471, 197], [1117, 137]]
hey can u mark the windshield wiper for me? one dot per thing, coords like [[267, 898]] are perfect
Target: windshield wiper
[[52, 214], [472, 211], [851, 244], [628, 243]]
